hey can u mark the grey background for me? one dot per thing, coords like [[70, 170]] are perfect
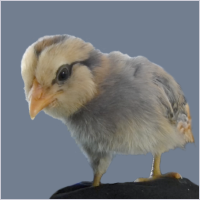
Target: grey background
[[39, 157]]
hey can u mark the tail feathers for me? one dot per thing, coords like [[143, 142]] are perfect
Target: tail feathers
[[185, 125]]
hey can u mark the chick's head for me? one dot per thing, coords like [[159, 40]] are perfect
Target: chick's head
[[57, 74]]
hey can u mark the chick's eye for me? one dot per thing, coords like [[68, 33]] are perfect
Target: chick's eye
[[63, 74]]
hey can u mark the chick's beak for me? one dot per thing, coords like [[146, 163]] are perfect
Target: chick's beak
[[39, 99]]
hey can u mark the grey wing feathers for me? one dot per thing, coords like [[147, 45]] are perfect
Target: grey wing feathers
[[171, 95], [177, 109]]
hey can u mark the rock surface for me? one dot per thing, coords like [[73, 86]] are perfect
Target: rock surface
[[165, 188]]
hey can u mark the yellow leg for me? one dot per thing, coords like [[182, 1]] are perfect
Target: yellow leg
[[155, 171], [97, 179]]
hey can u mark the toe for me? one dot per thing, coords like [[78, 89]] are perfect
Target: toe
[[143, 179], [167, 175], [172, 175]]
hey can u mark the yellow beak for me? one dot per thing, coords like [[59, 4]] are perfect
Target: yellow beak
[[39, 99]]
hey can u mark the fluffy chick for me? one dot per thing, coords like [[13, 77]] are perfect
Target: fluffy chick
[[111, 103]]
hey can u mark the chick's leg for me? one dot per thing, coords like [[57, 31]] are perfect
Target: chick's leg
[[100, 164], [155, 171], [97, 179]]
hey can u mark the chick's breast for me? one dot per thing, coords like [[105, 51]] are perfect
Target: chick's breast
[[135, 113]]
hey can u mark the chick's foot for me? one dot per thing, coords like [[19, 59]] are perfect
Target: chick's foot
[[167, 175]]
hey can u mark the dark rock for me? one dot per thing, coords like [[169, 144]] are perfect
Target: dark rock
[[165, 188]]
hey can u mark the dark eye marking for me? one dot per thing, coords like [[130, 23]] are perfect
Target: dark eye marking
[[91, 62], [62, 74]]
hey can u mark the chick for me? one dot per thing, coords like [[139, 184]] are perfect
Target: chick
[[111, 103]]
